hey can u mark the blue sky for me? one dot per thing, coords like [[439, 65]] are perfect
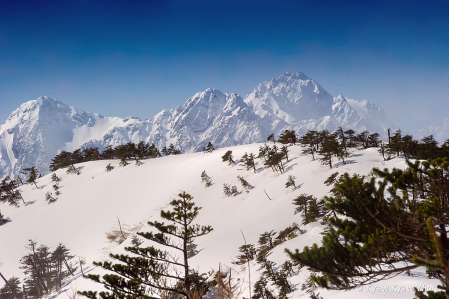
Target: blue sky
[[135, 58]]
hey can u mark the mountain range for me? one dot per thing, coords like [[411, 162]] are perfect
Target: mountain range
[[37, 130]]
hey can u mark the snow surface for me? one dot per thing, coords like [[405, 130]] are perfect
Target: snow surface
[[90, 203]]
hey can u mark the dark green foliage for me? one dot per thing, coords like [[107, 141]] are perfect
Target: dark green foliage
[[329, 147], [3, 220], [288, 137], [310, 207], [290, 182], [138, 162], [55, 178], [12, 289], [206, 179], [151, 269], [271, 138], [71, 169], [209, 148], [9, 193], [261, 290], [247, 253], [127, 151], [49, 198], [266, 241], [288, 233], [136, 241], [332, 179], [386, 226], [109, 167], [32, 173], [284, 150], [45, 270], [170, 150], [123, 162], [229, 190], [273, 157], [248, 161], [245, 185], [309, 142], [227, 157]]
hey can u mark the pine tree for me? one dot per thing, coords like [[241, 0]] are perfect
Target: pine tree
[[271, 138], [206, 179], [246, 186], [288, 137], [379, 235], [3, 220], [12, 289], [247, 254], [55, 178], [248, 161], [209, 148], [32, 173], [310, 143], [49, 197], [123, 162], [109, 167], [291, 182], [9, 193], [227, 157], [151, 269], [266, 241]]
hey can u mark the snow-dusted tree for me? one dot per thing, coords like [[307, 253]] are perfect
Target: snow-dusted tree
[[206, 179], [246, 186], [209, 148], [151, 270], [290, 182]]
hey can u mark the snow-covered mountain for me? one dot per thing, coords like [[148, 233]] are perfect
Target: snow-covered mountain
[[36, 131], [440, 131]]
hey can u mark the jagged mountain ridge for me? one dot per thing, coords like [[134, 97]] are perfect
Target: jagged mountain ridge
[[440, 131], [36, 131]]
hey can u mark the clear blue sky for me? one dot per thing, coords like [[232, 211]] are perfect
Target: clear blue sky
[[135, 58]]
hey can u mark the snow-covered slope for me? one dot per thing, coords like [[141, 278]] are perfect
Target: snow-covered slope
[[90, 203], [440, 131], [37, 130]]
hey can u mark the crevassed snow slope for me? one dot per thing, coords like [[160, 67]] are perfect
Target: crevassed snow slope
[[90, 203]]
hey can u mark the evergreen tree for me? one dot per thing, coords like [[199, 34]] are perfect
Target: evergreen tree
[[123, 162], [209, 148], [3, 220], [245, 185], [247, 254], [206, 179], [291, 182], [310, 207], [271, 138], [109, 167], [9, 192], [49, 197], [380, 235], [288, 137], [266, 241], [55, 178], [227, 157], [12, 289], [329, 147], [32, 173], [284, 151], [248, 161], [151, 269], [309, 142]]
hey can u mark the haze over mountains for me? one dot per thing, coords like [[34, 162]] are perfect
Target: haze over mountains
[[36, 131]]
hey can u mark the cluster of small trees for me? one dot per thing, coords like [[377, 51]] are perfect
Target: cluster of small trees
[[45, 272], [129, 150], [273, 156], [274, 280]]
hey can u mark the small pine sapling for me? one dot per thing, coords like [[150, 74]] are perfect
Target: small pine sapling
[[136, 241], [3, 220], [229, 190], [55, 178], [206, 179], [109, 167], [49, 198], [246, 186], [123, 162], [291, 182], [209, 148], [71, 169], [138, 162], [227, 157]]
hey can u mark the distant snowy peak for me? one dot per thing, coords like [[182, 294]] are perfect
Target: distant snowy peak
[[290, 97], [440, 131]]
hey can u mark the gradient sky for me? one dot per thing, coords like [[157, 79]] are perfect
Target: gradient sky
[[136, 58]]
